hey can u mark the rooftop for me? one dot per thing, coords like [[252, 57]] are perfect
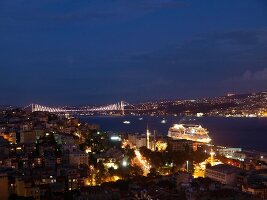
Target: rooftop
[[226, 169]]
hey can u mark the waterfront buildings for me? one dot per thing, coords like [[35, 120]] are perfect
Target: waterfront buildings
[[230, 152]]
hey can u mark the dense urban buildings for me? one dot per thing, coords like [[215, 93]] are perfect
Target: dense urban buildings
[[57, 156], [231, 105]]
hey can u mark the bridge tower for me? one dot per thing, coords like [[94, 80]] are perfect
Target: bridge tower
[[32, 105], [122, 107]]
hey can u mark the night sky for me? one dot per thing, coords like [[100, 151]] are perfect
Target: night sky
[[73, 52]]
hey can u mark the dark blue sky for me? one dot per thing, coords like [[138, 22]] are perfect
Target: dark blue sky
[[58, 52]]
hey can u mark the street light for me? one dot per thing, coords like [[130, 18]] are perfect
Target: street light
[[187, 162], [124, 163]]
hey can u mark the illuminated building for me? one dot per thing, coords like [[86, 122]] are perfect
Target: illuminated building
[[180, 145], [137, 140], [4, 187], [160, 146], [71, 175], [115, 138], [31, 136], [233, 153], [26, 188], [111, 158], [200, 168], [258, 190], [78, 157], [225, 174], [10, 137]]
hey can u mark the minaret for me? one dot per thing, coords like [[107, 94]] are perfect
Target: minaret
[[147, 138], [212, 153], [154, 141]]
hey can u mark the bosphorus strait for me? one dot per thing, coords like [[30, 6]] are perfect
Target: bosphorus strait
[[248, 133]]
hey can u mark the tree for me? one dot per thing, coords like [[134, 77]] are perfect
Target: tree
[[129, 152], [136, 171], [153, 172], [101, 173]]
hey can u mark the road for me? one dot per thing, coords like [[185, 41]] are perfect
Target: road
[[142, 162]]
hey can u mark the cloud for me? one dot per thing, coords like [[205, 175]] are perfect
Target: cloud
[[248, 76], [241, 37], [229, 46], [215, 57], [248, 81]]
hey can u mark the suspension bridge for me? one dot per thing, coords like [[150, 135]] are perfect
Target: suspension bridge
[[120, 106]]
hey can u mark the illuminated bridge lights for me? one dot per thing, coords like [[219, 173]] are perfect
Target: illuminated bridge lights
[[113, 107]]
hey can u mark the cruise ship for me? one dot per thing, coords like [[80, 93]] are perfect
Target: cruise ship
[[189, 132]]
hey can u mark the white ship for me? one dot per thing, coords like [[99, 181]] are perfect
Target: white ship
[[189, 132], [163, 121]]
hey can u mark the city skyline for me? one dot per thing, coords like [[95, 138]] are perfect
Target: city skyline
[[133, 99], [69, 53], [96, 104]]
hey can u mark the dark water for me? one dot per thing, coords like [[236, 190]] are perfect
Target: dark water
[[248, 133]]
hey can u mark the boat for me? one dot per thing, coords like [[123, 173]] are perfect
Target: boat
[[193, 132], [163, 121], [126, 122], [140, 118]]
